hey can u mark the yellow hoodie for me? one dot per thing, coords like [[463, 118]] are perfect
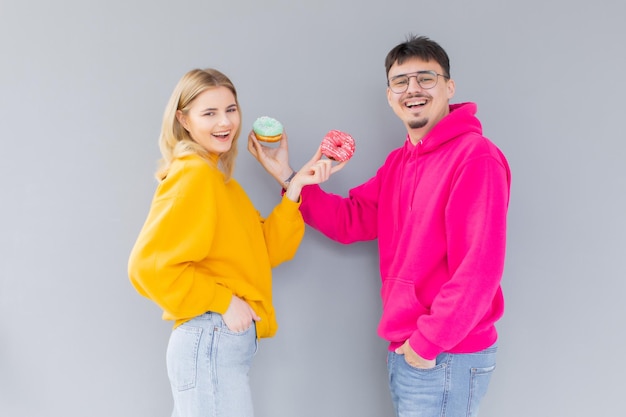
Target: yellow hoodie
[[204, 241]]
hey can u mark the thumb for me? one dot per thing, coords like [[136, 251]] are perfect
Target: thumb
[[317, 156], [399, 351], [255, 316], [283, 142], [338, 167]]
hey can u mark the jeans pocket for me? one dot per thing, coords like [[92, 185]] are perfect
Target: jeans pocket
[[182, 357], [224, 329], [416, 391], [479, 383], [240, 345]]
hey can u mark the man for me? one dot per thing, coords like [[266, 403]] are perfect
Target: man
[[438, 208]]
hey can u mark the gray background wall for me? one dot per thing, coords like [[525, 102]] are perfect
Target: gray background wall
[[82, 88]]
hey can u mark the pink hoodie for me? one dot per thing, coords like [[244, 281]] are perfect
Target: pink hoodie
[[439, 211]]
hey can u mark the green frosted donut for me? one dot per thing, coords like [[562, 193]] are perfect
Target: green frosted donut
[[267, 128]]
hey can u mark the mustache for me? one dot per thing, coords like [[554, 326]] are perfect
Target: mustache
[[417, 95]]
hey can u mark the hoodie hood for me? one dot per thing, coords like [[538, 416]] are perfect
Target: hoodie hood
[[461, 120]]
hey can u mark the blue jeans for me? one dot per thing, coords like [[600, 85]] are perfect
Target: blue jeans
[[453, 388], [208, 366]]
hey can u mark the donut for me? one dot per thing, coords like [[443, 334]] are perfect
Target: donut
[[338, 146], [267, 129]]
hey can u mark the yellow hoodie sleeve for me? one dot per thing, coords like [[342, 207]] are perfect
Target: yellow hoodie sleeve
[[178, 233], [283, 230]]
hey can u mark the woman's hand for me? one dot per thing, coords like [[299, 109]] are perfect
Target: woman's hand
[[316, 171], [275, 160], [240, 315]]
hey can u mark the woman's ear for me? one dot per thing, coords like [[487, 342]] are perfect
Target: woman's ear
[[182, 119]]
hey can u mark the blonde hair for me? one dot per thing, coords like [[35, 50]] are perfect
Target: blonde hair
[[175, 141]]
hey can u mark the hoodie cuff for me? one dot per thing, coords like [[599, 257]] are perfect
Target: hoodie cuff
[[424, 347]]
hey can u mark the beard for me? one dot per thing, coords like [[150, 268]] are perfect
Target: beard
[[418, 123]]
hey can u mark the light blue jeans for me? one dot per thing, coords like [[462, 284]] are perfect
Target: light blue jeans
[[453, 388], [208, 367]]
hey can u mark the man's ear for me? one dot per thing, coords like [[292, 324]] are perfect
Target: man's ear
[[451, 88]]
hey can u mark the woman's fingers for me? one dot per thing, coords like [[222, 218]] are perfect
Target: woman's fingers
[[338, 167]]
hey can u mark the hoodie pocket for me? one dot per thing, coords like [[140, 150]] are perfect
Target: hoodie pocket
[[401, 309]]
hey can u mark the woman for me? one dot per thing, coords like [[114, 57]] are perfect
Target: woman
[[204, 255]]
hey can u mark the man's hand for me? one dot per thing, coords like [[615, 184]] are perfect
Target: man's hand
[[413, 359]]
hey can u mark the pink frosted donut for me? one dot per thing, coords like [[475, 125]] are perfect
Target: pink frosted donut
[[338, 146]]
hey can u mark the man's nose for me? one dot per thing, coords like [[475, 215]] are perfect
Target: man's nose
[[415, 85]]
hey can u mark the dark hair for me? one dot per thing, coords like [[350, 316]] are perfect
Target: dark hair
[[418, 47]]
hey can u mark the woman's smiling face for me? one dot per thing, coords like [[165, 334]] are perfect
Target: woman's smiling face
[[212, 120]]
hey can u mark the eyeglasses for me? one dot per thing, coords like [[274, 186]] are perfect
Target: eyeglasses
[[425, 79]]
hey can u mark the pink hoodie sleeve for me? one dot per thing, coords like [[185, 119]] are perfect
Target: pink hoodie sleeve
[[345, 220], [476, 233]]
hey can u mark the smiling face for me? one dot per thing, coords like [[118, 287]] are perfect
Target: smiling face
[[212, 119], [418, 108]]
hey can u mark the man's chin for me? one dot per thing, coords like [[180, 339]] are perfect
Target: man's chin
[[418, 123]]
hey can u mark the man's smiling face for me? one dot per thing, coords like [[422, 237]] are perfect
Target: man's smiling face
[[420, 109]]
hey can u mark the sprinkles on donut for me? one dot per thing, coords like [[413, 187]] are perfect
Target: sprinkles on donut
[[338, 146]]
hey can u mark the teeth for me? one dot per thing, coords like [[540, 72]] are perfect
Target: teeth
[[416, 103]]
